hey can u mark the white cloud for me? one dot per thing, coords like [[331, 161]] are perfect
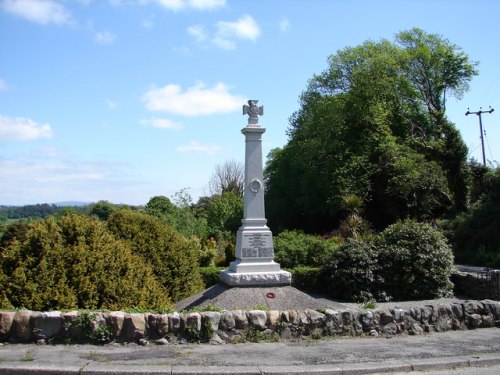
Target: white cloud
[[243, 28], [198, 32], [161, 123], [4, 86], [40, 11], [227, 33], [195, 146], [22, 129], [284, 24], [177, 5], [48, 171], [105, 37], [195, 101], [206, 4]]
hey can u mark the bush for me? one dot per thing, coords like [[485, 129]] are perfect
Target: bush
[[210, 275], [307, 279], [174, 259], [408, 260], [350, 273], [415, 261], [297, 249], [76, 263]]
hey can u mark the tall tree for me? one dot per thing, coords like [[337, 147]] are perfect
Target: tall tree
[[228, 177], [371, 122]]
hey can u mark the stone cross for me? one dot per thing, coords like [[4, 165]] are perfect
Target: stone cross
[[253, 111]]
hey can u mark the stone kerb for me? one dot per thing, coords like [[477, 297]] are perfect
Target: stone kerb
[[240, 326]]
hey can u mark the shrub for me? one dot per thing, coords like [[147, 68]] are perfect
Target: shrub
[[350, 273], [307, 279], [297, 249], [210, 275], [76, 263], [174, 259], [415, 261]]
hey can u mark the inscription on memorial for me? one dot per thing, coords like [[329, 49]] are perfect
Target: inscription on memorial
[[257, 245]]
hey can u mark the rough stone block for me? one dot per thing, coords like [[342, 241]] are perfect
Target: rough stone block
[[487, 321], [116, 321], [21, 325], [316, 319], [474, 320], [134, 326], [6, 320], [212, 318], [386, 317], [174, 322], [227, 322], [273, 318], [193, 321], [240, 319], [257, 319], [47, 324], [390, 329]]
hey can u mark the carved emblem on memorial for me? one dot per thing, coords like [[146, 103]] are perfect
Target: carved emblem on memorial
[[253, 112]]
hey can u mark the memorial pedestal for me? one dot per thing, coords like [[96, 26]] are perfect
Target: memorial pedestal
[[254, 264]]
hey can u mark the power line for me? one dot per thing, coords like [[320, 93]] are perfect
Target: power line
[[480, 126]]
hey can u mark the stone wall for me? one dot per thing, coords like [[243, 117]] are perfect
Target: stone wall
[[477, 285], [240, 326]]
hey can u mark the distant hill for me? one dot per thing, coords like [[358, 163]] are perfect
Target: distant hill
[[72, 204]]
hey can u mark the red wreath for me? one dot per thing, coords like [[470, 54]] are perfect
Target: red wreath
[[270, 295]]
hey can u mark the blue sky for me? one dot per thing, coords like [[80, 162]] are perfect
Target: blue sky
[[122, 100]]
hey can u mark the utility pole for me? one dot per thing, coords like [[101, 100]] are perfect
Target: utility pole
[[480, 126]]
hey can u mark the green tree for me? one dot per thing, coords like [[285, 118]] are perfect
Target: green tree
[[76, 263], [377, 112], [173, 258], [179, 214], [475, 234], [102, 209]]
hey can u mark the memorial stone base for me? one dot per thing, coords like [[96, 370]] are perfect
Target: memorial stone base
[[277, 278], [254, 265]]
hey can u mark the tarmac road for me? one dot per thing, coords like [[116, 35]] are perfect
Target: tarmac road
[[437, 351]]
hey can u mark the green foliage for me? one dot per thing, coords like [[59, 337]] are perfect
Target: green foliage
[[475, 234], [373, 125], [173, 258], [96, 331], [416, 187], [102, 209], [76, 263], [408, 260], [210, 275], [207, 251], [224, 213], [39, 211], [179, 215], [15, 231], [415, 261], [307, 279], [295, 248], [350, 273]]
